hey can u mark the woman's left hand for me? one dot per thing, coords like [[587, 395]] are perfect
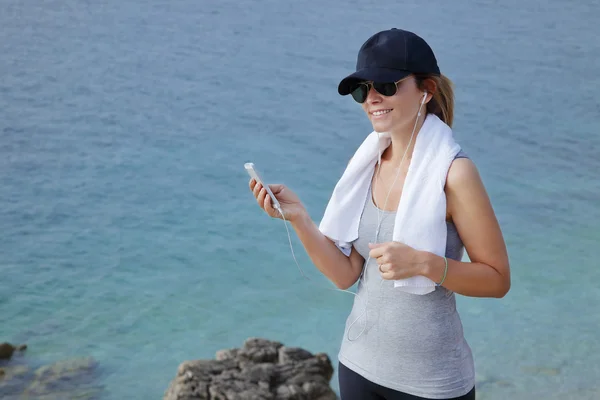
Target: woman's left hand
[[397, 260]]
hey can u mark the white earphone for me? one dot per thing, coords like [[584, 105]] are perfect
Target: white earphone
[[422, 102]]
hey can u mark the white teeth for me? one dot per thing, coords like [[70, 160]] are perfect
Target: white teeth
[[381, 112]]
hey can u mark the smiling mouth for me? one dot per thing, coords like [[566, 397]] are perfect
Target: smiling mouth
[[380, 112]]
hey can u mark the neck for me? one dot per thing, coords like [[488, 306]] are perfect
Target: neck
[[401, 142]]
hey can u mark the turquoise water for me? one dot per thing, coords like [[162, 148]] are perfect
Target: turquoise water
[[128, 231]]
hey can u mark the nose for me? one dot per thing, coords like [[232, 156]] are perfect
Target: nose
[[373, 96]]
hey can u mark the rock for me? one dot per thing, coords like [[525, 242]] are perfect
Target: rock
[[7, 350], [10, 372], [259, 350], [66, 369], [227, 354], [13, 379], [69, 376], [260, 370], [68, 379], [291, 354]]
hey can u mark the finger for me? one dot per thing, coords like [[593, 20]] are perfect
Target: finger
[[260, 198], [384, 267], [271, 210], [251, 183], [375, 245], [267, 204], [377, 252], [276, 188], [257, 189], [388, 276], [385, 271]]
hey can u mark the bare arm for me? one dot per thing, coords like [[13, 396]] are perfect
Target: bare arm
[[341, 270], [488, 273]]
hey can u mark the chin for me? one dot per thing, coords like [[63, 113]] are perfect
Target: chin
[[379, 127]]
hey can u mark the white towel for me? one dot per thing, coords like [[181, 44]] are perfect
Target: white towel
[[421, 216]]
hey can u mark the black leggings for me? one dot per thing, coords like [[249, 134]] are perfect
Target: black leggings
[[354, 387]]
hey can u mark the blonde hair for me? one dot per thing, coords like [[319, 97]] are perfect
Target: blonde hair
[[442, 103]]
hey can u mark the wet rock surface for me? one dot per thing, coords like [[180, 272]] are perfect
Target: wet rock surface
[[65, 379]]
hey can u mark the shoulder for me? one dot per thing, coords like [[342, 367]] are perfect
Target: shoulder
[[462, 173], [465, 190]]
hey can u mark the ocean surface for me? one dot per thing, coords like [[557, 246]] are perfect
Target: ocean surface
[[127, 229]]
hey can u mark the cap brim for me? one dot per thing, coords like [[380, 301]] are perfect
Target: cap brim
[[349, 83]]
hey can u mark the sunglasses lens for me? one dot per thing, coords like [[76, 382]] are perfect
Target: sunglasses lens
[[386, 89], [360, 93], [362, 90]]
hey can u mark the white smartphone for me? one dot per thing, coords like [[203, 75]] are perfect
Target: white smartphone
[[251, 169]]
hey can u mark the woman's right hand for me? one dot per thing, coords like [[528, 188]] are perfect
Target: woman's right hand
[[291, 205]]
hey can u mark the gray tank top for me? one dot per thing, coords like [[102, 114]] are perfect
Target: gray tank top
[[410, 343]]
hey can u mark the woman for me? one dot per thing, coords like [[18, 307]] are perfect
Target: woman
[[410, 346]]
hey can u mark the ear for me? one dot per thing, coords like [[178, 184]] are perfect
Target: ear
[[431, 87]]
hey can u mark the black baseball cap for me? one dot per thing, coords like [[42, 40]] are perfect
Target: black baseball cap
[[389, 56]]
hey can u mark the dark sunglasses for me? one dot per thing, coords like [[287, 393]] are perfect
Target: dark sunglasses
[[384, 88]]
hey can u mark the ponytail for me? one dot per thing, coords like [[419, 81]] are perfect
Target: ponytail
[[442, 102]]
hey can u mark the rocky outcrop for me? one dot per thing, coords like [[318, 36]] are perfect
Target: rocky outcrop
[[67, 379], [260, 370], [7, 350]]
